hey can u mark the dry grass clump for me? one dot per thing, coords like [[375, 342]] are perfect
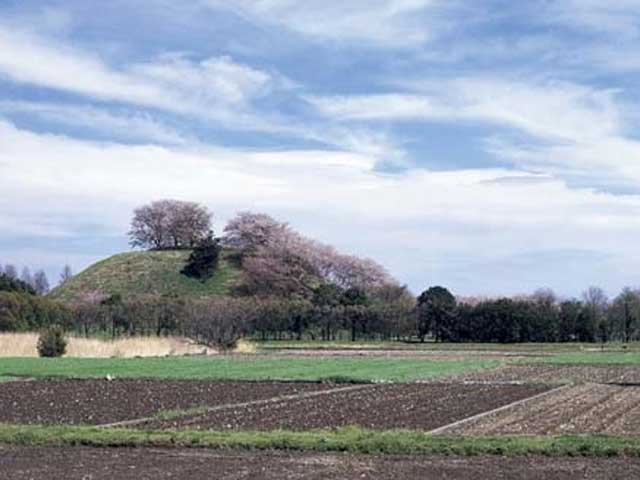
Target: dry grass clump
[[24, 345], [245, 347], [18, 345]]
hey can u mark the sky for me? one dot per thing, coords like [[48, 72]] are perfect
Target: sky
[[488, 146]]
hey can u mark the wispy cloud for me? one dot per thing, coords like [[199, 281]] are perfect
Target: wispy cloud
[[617, 17], [140, 126], [571, 130], [387, 23], [554, 110], [215, 88]]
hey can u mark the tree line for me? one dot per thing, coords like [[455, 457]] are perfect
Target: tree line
[[389, 313], [38, 282]]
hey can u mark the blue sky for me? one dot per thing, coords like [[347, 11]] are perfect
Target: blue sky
[[490, 146]]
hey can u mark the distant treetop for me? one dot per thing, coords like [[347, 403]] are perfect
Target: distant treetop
[[9, 284], [169, 224]]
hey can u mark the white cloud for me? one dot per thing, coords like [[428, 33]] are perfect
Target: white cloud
[[617, 17], [215, 88], [124, 125], [573, 130], [402, 219], [383, 22], [551, 110]]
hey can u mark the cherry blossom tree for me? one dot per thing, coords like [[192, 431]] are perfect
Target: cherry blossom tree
[[279, 260], [169, 224]]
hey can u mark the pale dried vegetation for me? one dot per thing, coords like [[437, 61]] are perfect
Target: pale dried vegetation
[[245, 347], [24, 345]]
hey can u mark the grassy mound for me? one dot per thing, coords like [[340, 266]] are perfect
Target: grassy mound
[[146, 273]]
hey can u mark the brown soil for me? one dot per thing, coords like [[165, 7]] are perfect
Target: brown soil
[[96, 402], [396, 353], [629, 374], [397, 406], [580, 409], [157, 464]]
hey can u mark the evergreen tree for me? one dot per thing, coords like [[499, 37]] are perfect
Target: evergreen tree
[[204, 259]]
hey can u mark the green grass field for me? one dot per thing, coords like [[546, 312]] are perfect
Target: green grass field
[[352, 440], [238, 368], [146, 273]]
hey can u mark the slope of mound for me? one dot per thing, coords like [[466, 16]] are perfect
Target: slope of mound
[[146, 273]]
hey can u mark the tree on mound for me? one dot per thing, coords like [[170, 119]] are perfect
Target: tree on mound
[[204, 259], [279, 261], [169, 224]]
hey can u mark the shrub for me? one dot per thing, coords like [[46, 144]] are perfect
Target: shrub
[[52, 342]]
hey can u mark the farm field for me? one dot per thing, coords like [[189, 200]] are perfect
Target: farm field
[[580, 409], [559, 373], [280, 415], [385, 407], [536, 348], [95, 402], [155, 463]]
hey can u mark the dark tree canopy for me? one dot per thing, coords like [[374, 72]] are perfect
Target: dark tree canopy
[[169, 224], [204, 259], [355, 297], [436, 311], [9, 284]]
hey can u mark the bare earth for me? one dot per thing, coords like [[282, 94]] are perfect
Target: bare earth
[[95, 402], [77, 463], [579, 409], [397, 406], [629, 374], [415, 353]]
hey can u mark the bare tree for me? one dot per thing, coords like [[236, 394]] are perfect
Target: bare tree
[[596, 300], [41, 282], [66, 274], [11, 271], [169, 224], [597, 303], [26, 276]]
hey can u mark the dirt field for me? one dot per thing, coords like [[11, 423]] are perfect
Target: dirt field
[[409, 353], [155, 464], [579, 409], [96, 402], [396, 406], [629, 374]]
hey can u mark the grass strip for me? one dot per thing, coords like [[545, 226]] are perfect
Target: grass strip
[[353, 440], [241, 368]]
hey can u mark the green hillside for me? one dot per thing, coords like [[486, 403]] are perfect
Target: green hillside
[[146, 273]]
